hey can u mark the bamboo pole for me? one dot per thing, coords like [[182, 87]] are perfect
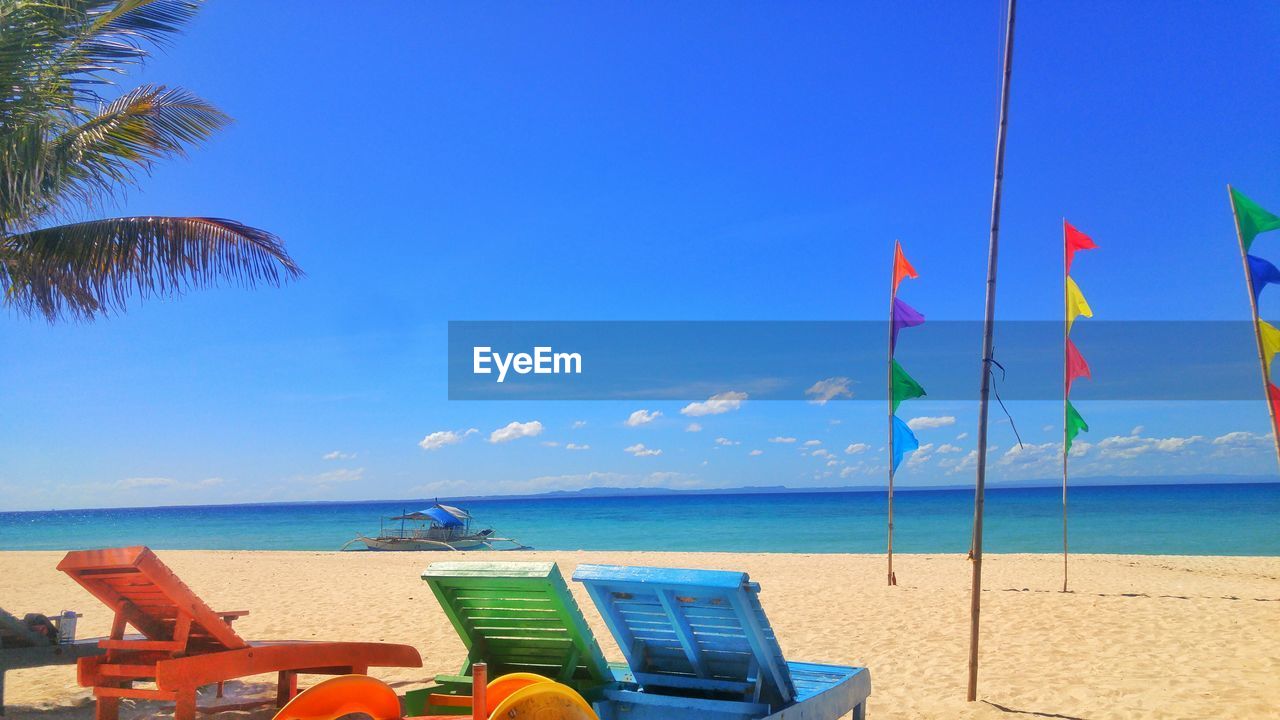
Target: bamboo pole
[[893, 293], [1066, 397], [1257, 329], [975, 599]]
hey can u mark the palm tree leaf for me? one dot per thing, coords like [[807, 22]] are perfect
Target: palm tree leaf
[[83, 270], [54, 54], [96, 156]]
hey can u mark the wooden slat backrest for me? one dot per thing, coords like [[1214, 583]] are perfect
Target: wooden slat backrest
[[691, 629], [146, 594], [518, 617]]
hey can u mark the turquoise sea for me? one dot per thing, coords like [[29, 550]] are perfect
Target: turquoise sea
[[1222, 519]]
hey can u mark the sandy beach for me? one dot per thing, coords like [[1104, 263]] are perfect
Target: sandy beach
[[1139, 636]]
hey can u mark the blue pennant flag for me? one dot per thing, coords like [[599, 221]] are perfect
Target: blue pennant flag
[[1261, 274], [904, 441]]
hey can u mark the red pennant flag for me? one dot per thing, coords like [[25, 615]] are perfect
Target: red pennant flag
[[1077, 367], [1273, 394], [1075, 240], [901, 268]]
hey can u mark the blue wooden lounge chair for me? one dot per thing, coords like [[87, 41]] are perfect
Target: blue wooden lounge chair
[[698, 645]]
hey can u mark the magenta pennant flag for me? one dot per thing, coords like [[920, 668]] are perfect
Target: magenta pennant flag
[[904, 316]]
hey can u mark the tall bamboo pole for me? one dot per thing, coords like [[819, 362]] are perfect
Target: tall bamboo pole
[[1257, 329], [893, 293], [1066, 396], [975, 599]]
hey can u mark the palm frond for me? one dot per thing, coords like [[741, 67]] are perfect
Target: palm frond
[[55, 54], [95, 158], [84, 270]]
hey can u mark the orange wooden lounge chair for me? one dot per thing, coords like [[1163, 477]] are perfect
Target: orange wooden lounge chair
[[186, 645]]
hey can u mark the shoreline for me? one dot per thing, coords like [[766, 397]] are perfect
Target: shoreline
[[1138, 636]]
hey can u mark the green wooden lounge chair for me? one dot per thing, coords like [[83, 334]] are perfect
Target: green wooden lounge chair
[[22, 647], [516, 617]]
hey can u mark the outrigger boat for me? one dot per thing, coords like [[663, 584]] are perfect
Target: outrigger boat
[[439, 527]]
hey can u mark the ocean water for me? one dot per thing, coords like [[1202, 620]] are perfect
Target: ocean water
[[1235, 519]]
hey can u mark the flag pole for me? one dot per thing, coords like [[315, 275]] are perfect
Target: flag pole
[[1257, 330], [975, 550], [893, 291], [1066, 385]]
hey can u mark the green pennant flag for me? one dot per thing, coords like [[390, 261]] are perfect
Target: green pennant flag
[[904, 386], [1075, 424], [1252, 218]]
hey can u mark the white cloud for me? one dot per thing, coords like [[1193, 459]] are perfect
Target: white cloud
[[726, 441], [340, 475], [781, 439], [926, 423], [437, 440], [639, 450], [1240, 438], [822, 453], [812, 443], [549, 443], [947, 448], [920, 455], [164, 483], [716, 404], [962, 436], [1137, 430], [576, 446], [579, 424], [754, 453], [515, 431], [693, 427], [338, 455], [824, 391], [642, 417], [1127, 447], [855, 448]]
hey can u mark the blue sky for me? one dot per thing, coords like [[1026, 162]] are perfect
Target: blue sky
[[657, 161]]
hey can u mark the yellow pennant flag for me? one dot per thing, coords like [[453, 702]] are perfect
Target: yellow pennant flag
[[1077, 305], [1270, 343]]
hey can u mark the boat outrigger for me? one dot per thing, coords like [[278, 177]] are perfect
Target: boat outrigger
[[439, 527]]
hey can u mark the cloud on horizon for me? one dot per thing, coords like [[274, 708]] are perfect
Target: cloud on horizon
[[515, 431], [441, 438], [715, 405]]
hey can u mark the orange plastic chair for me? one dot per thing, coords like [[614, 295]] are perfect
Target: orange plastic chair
[[186, 645], [511, 697]]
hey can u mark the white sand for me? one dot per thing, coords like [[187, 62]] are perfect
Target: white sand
[[1139, 637]]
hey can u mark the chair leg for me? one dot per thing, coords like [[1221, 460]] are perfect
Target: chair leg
[[286, 687], [185, 705], [1, 692], [219, 695], [106, 708]]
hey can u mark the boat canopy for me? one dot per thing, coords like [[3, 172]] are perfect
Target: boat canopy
[[437, 514], [455, 511]]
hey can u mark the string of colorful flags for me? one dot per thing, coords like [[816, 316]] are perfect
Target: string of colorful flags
[[1251, 221], [901, 385], [1073, 363]]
